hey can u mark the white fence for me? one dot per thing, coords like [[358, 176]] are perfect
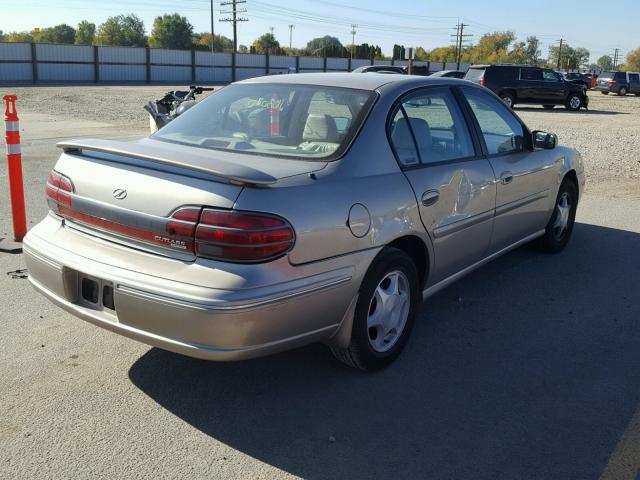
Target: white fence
[[42, 62]]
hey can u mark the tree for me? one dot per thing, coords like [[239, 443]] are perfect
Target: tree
[[323, 43], [62, 33], [243, 49], [571, 58], [18, 37], [122, 30], [266, 42], [443, 54], [532, 50], [421, 55], [398, 52], [492, 47], [605, 62], [171, 31], [85, 33], [202, 41], [633, 60]]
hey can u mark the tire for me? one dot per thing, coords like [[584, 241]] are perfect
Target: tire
[[622, 92], [508, 99], [548, 107], [368, 350], [605, 93], [574, 102], [555, 239]]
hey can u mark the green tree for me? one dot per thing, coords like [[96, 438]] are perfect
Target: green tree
[[122, 30], [633, 60], [18, 37], [62, 33], [202, 41], [532, 50], [570, 58], [171, 31], [492, 47], [322, 45], [421, 55], [85, 33], [266, 42], [443, 54], [605, 62], [398, 52]]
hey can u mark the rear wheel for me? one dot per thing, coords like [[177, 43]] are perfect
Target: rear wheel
[[574, 102], [605, 93], [508, 99], [384, 313], [560, 226], [548, 107], [622, 92]]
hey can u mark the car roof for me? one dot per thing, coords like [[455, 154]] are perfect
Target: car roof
[[371, 81]]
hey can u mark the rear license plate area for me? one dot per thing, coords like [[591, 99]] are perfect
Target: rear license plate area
[[95, 293]]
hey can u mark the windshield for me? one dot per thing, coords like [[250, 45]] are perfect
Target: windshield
[[474, 74], [298, 121]]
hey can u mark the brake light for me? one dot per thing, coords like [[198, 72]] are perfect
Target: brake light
[[242, 236], [482, 81], [612, 82], [58, 190]]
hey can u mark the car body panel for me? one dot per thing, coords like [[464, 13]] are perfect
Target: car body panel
[[228, 311]]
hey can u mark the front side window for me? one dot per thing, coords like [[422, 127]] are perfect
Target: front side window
[[428, 127], [550, 76], [502, 132], [284, 120]]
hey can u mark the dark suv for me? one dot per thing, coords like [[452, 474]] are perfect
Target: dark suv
[[525, 84]]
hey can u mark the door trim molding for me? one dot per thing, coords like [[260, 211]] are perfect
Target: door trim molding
[[507, 207]]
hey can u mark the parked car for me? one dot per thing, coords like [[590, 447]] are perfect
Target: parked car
[[516, 84], [619, 82], [281, 211], [578, 78], [380, 69], [449, 73], [422, 70]]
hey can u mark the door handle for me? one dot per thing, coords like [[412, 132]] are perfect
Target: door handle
[[430, 197], [506, 177]]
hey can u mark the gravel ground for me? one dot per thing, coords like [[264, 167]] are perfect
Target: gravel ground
[[525, 369]]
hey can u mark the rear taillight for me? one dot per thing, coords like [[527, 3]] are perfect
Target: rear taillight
[[612, 82], [225, 235], [482, 81], [242, 236], [58, 189]]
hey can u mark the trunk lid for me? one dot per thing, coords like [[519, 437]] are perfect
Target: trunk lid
[[127, 192]]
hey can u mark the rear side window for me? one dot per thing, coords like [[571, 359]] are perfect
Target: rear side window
[[634, 77], [431, 121], [620, 77], [502, 73], [530, 74], [474, 74], [502, 132]]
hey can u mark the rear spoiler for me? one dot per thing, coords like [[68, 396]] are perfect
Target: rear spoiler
[[204, 161]]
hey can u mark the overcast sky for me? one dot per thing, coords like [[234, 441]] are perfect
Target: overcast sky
[[409, 22]]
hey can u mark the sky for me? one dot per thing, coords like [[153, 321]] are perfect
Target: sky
[[582, 23]]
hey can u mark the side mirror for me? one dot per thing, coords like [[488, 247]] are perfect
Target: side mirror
[[547, 141]]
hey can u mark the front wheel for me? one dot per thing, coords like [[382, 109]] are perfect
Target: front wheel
[[560, 226], [622, 92], [385, 311], [574, 102]]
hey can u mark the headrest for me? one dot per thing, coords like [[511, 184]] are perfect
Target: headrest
[[320, 127]]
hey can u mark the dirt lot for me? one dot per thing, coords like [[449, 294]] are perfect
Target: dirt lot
[[526, 369]]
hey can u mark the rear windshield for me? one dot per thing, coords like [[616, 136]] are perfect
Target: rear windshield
[[614, 75], [284, 120], [474, 74]]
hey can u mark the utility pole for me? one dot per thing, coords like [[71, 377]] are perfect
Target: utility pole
[[291, 27], [560, 53], [615, 58], [212, 36], [234, 18], [353, 38], [460, 37]]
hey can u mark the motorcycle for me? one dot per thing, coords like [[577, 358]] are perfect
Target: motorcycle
[[172, 105]]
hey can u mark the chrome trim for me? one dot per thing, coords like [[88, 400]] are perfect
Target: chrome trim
[[507, 207], [433, 289], [451, 228], [214, 306]]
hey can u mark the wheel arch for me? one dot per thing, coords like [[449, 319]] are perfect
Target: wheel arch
[[418, 251]]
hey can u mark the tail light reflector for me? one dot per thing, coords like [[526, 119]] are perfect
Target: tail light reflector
[[241, 236]]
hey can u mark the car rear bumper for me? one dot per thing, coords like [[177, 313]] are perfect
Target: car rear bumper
[[606, 88], [290, 307]]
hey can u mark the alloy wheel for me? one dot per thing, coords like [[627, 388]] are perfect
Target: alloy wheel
[[563, 211]]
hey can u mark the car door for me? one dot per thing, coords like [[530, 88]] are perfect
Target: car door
[[453, 184], [524, 177], [552, 88], [529, 85], [634, 83]]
